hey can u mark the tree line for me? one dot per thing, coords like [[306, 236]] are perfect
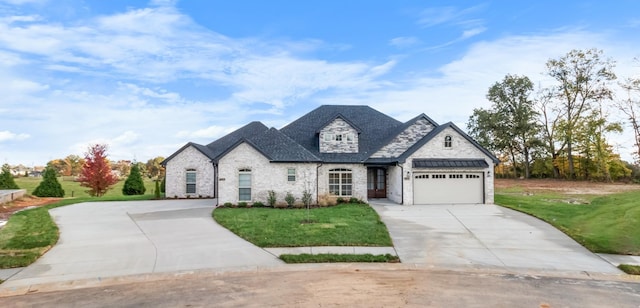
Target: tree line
[[561, 131], [95, 172]]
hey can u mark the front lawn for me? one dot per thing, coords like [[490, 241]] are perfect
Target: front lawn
[[603, 224], [341, 225]]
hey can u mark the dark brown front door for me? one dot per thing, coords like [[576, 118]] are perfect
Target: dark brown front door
[[376, 183]]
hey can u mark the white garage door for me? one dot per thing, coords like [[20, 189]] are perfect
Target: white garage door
[[448, 188]]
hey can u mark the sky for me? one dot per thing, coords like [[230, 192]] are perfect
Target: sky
[[146, 77]]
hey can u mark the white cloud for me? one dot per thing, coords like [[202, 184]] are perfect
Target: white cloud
[[211, 133], [404, 41], [7, 135]]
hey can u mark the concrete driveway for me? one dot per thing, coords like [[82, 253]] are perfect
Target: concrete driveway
[[484, 236], [109, 239]]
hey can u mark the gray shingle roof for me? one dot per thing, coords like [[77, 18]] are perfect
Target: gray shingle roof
[[449, 163], [374, 127]]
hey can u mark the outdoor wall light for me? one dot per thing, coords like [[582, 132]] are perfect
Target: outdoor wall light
[[408, 176], [489, 173]]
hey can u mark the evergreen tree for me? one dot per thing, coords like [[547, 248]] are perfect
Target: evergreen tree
[[157, 194], [134, 184], [49, 187], [6, 179], [163, 184]]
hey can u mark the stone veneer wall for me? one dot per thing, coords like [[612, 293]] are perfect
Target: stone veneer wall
[[265, 176], [339, 126], [189, 158], [461, 148], [405, 139]]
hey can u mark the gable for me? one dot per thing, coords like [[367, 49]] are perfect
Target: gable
[[338, 137], [406, 138], [462, 146]]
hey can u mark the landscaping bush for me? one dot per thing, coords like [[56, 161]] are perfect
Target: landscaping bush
[[271, 200], [49, 187], [281, 205], [340, 200], [325, 200], [289, 199], [156, 191], [228, 204], [6, 179], [163, 184], [242, 204], [258, 204], [355, 200], [134, 184]]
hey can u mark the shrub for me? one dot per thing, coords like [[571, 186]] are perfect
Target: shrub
[[258, 204], [326, 199], [156, 191], [134, 184], [355, 200], [6, 179], [290, 199], [242, 204], [298, 205], [271, 199], [340, 200], [228, 204], [49, 187], [281, 205], [306, 198], [163, 184]]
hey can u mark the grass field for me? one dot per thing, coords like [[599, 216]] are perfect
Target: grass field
[[341, 225], [602, 223], [73, 189]]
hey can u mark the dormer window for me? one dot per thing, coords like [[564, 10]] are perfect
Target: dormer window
[[328, 137], [447, 141], [338, 137]]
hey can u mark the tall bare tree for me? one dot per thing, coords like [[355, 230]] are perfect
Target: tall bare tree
[[583, 77], [631, 108]]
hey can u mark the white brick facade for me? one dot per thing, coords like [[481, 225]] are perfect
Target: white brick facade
[[176, 170], [461, 148], [265, 176]]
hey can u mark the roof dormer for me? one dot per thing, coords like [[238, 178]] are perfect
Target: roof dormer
[[338, 135]]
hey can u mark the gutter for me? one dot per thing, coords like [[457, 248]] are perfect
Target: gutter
[[401, 183], [318, 182]]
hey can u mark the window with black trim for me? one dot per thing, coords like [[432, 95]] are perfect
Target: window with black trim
[[447, 141], [191, 181], [340, 182]]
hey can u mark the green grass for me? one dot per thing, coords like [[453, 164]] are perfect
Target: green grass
[[341, 225], [73, 189], [29, 234], [335, 258], [606, 224], [630, 269]]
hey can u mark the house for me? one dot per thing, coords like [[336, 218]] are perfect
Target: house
[[347, 151]]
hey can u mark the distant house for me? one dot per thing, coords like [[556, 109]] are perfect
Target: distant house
[[346, 151]]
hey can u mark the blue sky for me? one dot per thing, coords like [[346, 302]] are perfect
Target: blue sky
[[146, 77]]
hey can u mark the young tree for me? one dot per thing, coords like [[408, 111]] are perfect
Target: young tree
[[631, 108], [49, 187], [583, 77], [96, 172], [134, 184], [6, 179]]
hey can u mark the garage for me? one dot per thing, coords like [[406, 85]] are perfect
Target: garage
[[448, 187]]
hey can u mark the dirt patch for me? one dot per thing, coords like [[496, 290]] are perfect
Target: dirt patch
[[564, 186], [7, 209]]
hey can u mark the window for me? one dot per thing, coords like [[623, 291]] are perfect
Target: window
[[291, 174], [328, 137], [338, 137], [455, 176], [244, 185], [447, 141], [340, 182], [191, 181], [349, 137]]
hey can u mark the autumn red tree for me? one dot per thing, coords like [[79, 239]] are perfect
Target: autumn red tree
[[96, 171]]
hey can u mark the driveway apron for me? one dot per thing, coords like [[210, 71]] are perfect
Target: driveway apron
[[484, 236], [109, 239]]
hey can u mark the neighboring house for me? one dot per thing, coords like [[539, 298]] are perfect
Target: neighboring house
[[347, 151]]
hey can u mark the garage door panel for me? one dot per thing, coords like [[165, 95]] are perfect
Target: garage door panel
[[448, 188]]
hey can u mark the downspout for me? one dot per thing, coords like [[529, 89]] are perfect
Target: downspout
[[318, 183], [401, 183], [215, 183]]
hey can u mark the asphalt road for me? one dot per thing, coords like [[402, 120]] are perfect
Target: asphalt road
[[347, 285]]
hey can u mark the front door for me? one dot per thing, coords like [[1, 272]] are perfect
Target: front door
[[376, 183]]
